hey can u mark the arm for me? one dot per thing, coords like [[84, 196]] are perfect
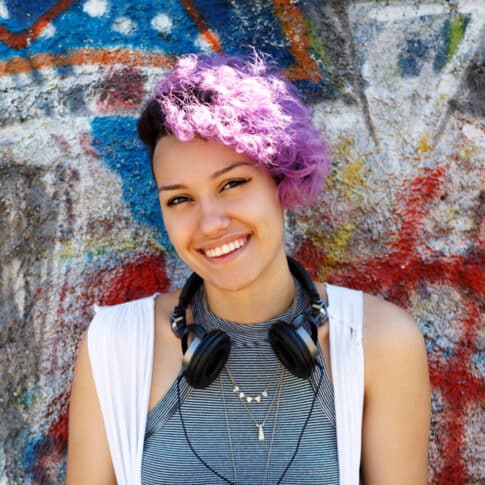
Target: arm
[[397, 397], [88, 458]]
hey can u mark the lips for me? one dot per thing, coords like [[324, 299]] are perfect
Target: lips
[[225, 248]]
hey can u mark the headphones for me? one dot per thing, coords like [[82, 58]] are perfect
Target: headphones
[[208, 352]]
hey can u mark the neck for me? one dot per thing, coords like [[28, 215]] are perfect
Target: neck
[[260, 301]]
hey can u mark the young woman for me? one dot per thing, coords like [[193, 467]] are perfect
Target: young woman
[[251, 374]]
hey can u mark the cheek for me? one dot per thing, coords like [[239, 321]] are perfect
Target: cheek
[[276, 213], [272, 203], [181, 227], [268, 215]]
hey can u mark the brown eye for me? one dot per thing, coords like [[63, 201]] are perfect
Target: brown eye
[[179, 199], [234, 183]]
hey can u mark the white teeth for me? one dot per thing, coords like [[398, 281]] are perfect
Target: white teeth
[[225, 248]]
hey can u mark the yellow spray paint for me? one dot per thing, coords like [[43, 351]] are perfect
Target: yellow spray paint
[[347, 178], [424, 144], [336, 245], [350, 171]]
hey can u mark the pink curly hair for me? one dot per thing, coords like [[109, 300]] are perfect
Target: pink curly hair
[[246, 105]]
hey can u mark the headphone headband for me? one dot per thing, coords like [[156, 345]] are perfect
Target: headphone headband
[[318, 307], [178, 323]]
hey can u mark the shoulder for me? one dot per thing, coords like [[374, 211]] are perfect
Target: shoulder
[[165, 303], [125, 306], [160, 301], [391, 337], [392, 340], [164, 306], [118, 322], [129, 327], [123, 315], [386, 324]]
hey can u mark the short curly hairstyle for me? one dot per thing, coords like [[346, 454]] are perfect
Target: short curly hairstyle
[[247, 105]]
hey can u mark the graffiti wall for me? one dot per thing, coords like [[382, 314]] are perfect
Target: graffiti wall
[[398, 88]]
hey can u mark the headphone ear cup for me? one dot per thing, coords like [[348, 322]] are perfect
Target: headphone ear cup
[[291, 349], [208, 359]]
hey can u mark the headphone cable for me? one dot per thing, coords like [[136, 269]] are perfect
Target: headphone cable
[[304, 425], [222, 477]]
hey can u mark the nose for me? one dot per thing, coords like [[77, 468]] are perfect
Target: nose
[[214, 219]]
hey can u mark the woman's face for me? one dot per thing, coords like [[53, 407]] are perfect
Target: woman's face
[[221, 212]]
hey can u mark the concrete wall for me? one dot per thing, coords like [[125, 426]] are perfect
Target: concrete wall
[[398, 86]]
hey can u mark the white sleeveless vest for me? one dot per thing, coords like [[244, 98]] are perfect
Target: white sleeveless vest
[[120, 347]]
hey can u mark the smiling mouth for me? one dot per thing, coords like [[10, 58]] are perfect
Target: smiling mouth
[[225, 248]]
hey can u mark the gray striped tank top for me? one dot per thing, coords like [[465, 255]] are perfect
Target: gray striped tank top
[[215, 417]]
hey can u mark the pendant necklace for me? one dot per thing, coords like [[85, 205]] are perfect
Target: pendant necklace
[[245, 397], [259, 426]]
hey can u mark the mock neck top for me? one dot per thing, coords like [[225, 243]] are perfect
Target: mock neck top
[[221, 428]]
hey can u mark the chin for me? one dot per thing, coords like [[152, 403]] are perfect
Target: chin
[[236, 279], [230, 284]]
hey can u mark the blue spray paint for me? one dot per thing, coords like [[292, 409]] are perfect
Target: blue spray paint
[[30, 452], [81, 30], [413, 57], [22, 15], [116, 141], [238, 26]]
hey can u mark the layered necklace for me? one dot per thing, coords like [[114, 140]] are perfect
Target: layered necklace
[[276, 398], [246, 399]]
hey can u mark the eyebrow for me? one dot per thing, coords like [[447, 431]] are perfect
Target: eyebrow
[[215, 175]]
